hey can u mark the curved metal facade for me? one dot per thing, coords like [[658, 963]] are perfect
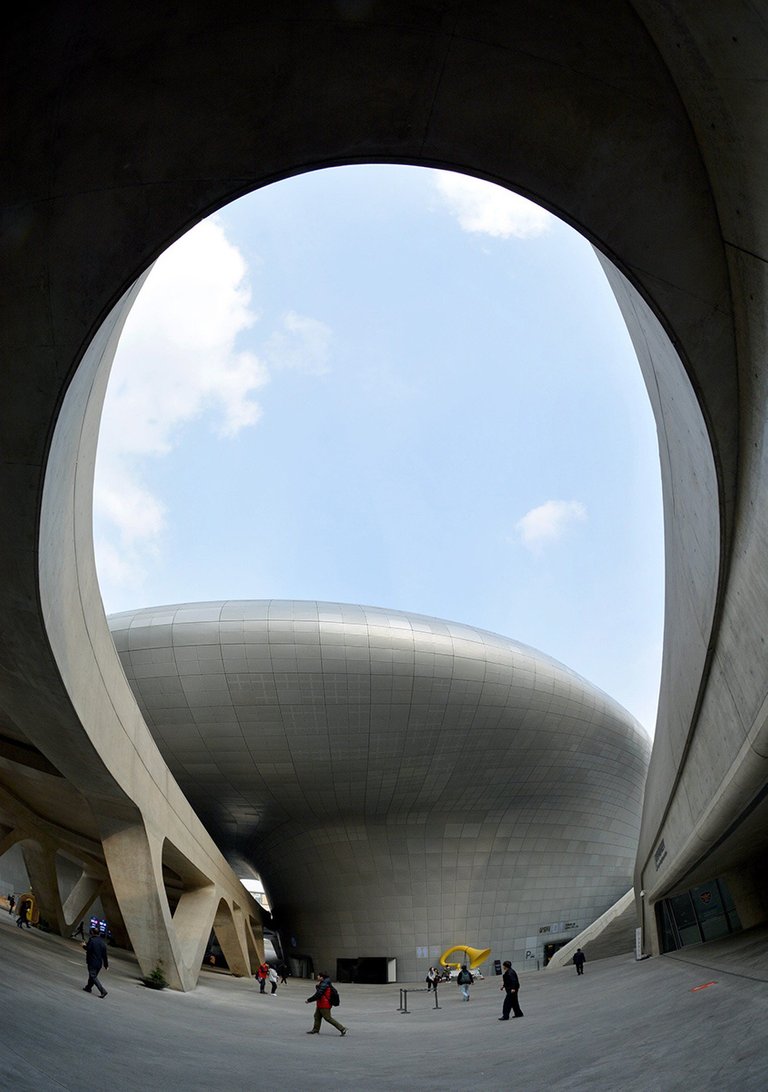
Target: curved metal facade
[[401, 783]]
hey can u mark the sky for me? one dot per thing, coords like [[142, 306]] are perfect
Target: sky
[[393, 386]]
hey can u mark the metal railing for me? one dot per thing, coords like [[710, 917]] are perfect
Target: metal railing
[[403, 1006]]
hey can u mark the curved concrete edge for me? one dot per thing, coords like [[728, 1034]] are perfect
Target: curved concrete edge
[[139, 809], [613, 933]]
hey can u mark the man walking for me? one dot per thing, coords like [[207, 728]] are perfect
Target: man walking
[[95, 957], [322, 999], [464, 980], [510, 983], [579, 959]]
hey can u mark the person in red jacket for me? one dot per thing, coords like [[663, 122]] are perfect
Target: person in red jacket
[[261, 976], [322, 999]]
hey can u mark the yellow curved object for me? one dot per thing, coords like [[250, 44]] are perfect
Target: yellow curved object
[[33, 910], [472, 956]]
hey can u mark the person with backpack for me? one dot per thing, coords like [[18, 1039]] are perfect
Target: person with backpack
[[464, 980], [326, 997]]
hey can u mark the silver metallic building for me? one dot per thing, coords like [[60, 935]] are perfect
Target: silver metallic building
[[401, 784]]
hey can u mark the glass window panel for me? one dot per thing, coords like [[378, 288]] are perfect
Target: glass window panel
[[690, 935], [706, 900], [682, 908], [715, 927]]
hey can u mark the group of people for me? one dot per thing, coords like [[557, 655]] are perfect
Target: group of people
[[273, 975]]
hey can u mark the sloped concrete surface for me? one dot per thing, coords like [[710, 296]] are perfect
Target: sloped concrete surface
[[623, 1026]]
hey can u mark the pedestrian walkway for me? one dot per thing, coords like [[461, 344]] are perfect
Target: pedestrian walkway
[[655, 1026]]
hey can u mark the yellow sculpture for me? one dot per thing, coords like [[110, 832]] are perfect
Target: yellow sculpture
[[33, 910], [473, 957]]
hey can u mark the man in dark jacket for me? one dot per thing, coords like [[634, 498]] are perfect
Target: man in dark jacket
[[579, 959], [95, 957], [322, 999], [510, 983]]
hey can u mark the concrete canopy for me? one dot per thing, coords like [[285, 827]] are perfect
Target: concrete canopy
[[640, 123]]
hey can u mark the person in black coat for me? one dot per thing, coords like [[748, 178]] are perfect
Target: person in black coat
[[510, 983], [579, 960], [95, 957], [23, 918]]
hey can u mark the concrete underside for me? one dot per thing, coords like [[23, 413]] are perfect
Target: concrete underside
[[638, 1027]]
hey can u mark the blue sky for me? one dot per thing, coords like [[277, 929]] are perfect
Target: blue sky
[[392, 386]]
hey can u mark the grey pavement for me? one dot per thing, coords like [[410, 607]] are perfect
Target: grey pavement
[[623, 1025]]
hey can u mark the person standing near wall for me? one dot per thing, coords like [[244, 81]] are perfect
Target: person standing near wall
[[25, 910], [510, 983], [579, 959]]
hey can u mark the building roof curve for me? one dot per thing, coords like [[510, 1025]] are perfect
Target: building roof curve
[[270, 710]]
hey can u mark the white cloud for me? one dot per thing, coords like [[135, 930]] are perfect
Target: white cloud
[[487, 209], [177, 361], [301, 344], [548, 523]]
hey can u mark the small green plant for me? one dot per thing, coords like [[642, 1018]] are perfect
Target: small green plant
[[156, 980]]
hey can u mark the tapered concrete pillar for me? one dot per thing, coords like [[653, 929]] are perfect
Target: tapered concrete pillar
[[40, 861], [114, 916], [229, 927], [192, 922], [80, 899], [134, 860]]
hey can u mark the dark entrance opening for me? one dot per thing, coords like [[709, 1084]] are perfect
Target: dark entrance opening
[[705, 912], [551, 948], [371, 970]]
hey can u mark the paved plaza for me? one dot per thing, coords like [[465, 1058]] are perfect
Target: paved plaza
[[660, 1024]]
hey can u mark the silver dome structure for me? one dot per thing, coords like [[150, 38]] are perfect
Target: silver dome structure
[[400, 783]]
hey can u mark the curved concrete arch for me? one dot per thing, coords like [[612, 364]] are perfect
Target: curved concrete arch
[[640, 123], [136, 805]]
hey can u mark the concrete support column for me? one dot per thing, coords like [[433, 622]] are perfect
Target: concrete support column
[[229, 927], [40, 861], [114, 916], [80, 898], [135, 862], [192, 922]]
